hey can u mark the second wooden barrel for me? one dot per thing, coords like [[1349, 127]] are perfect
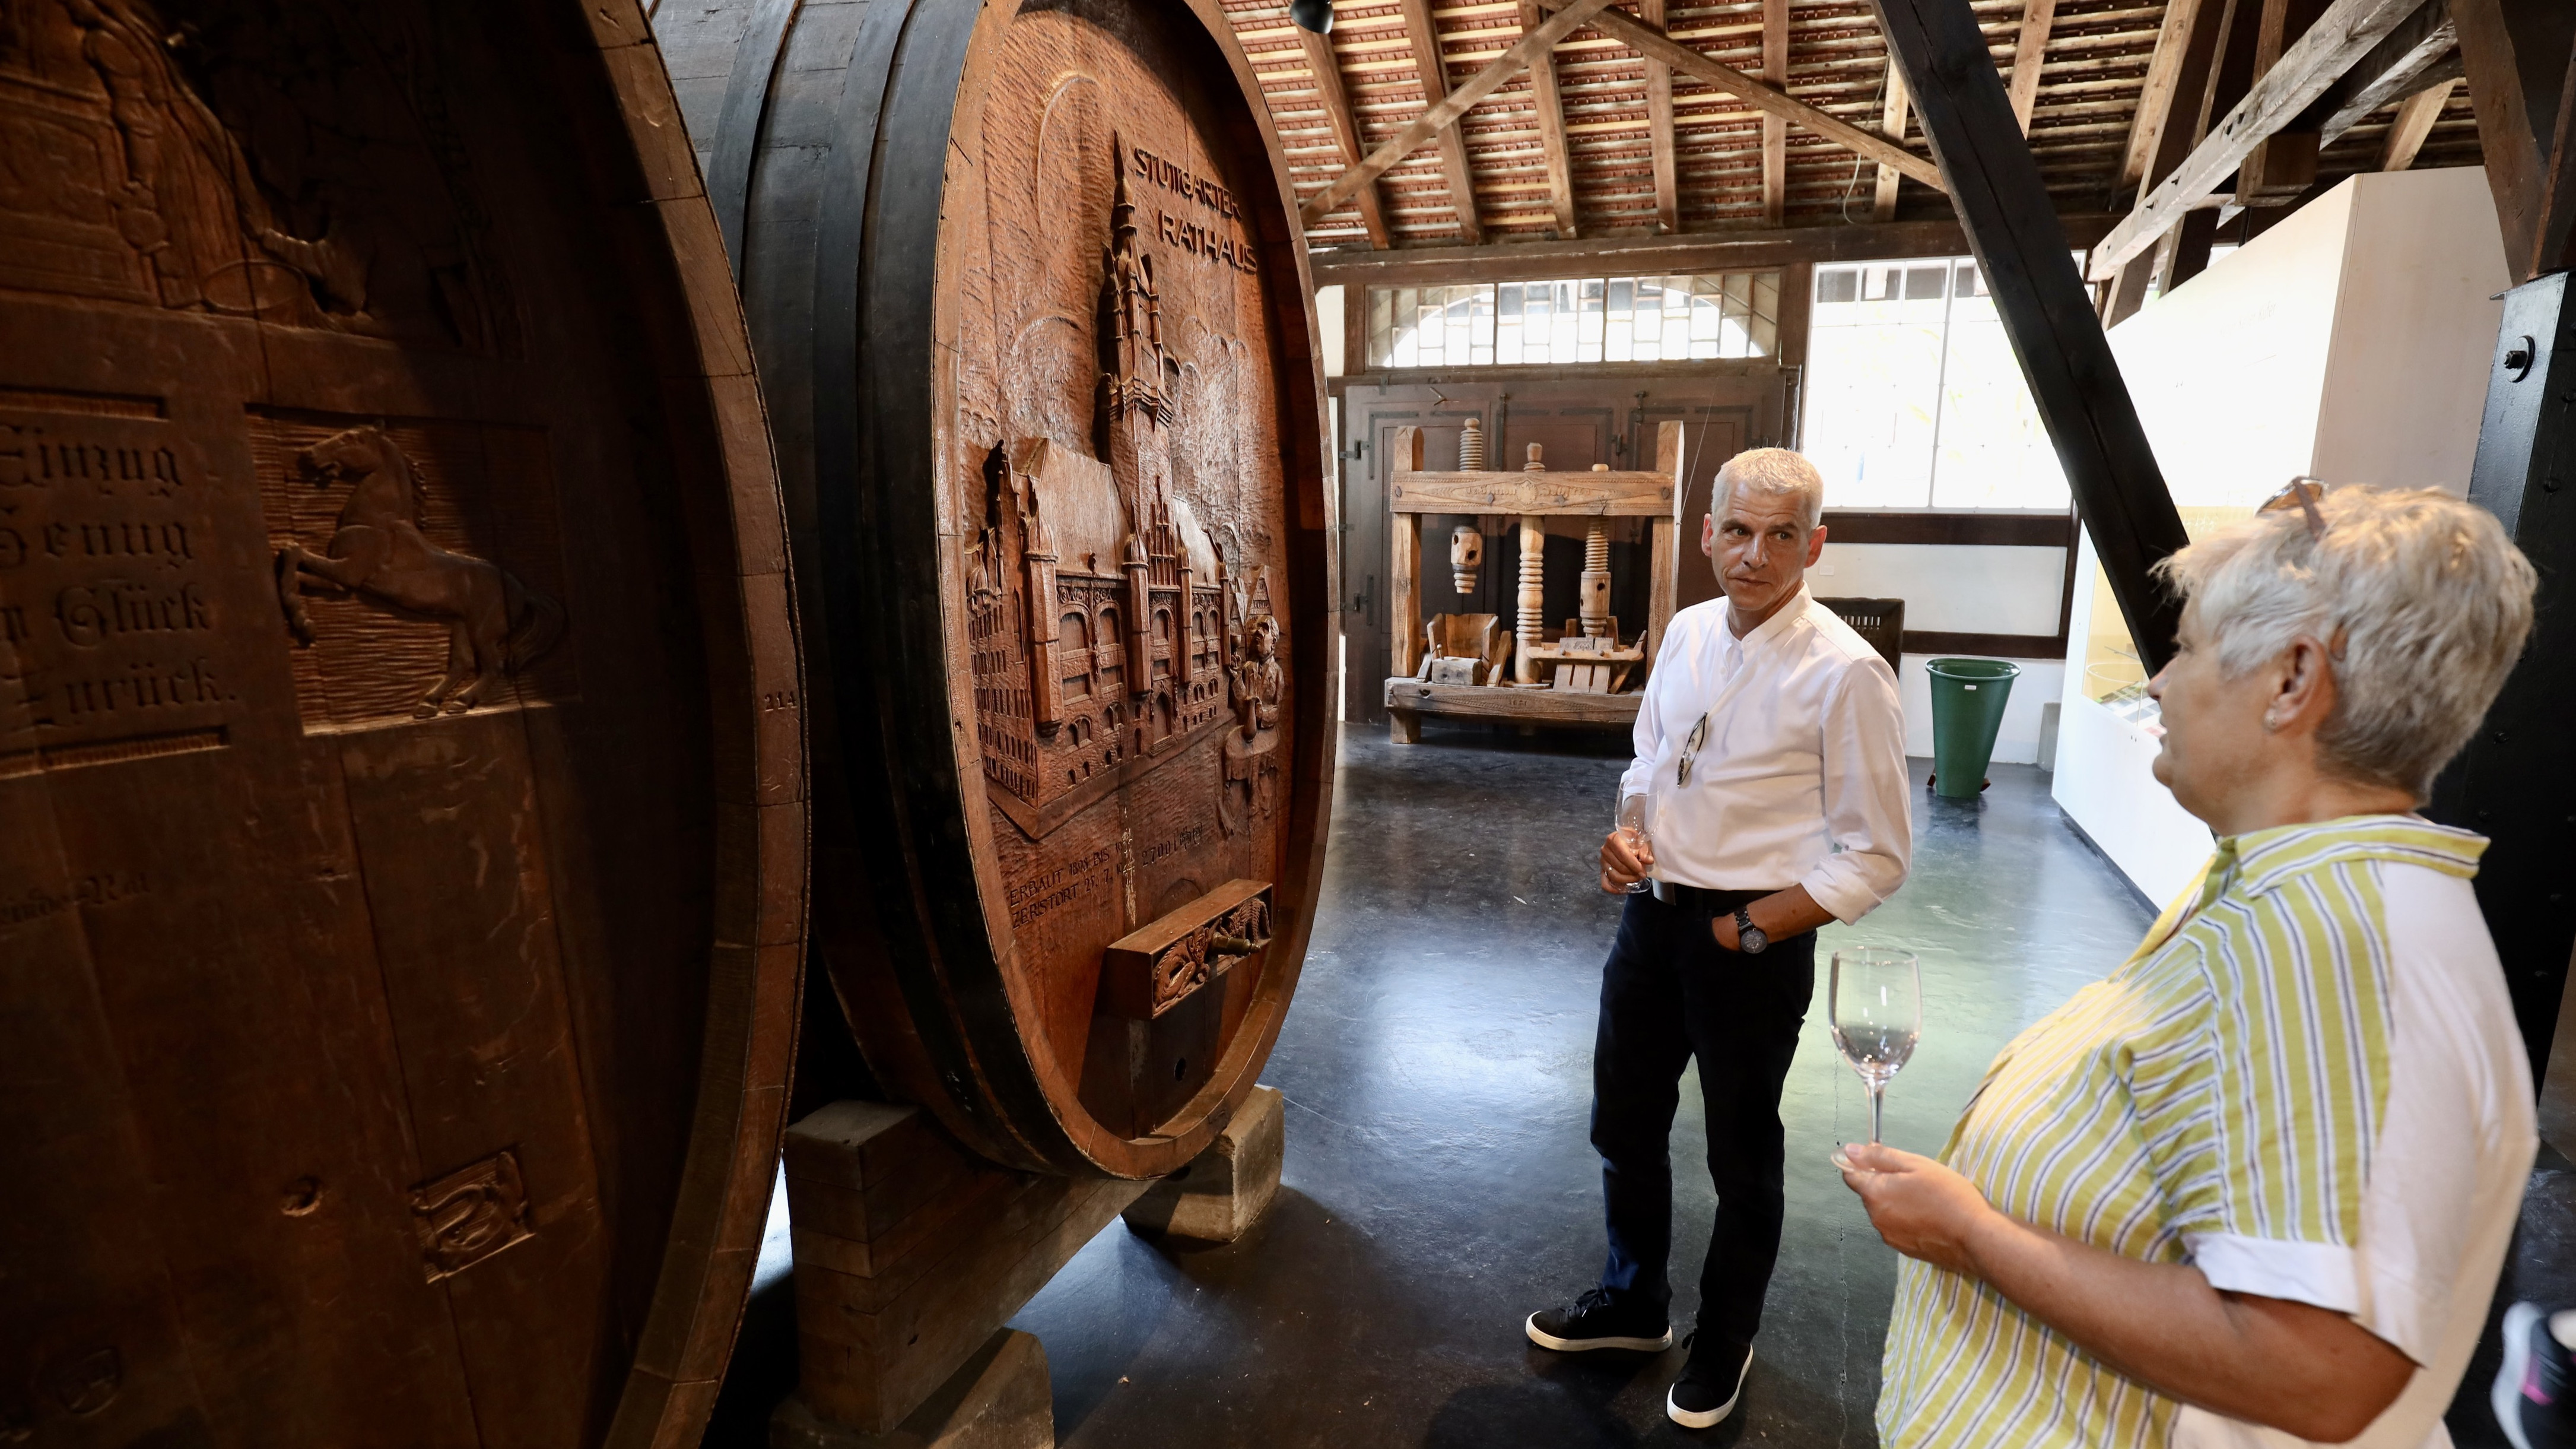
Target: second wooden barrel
[[1030, 305]]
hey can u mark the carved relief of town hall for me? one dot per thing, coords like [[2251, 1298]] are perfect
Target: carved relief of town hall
[[1106, 627]]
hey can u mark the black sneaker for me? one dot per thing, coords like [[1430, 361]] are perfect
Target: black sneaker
[[2532, 1397], [1595, 1321], [1710, 1384]]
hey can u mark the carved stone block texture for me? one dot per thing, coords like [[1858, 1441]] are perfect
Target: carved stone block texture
[[1072, 593], [383, 1059]]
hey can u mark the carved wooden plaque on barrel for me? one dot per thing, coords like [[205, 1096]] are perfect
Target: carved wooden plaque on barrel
[[1044, 376], [401, 809]]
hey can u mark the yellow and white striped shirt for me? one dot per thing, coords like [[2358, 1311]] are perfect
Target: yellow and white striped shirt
[[2225, 1099]]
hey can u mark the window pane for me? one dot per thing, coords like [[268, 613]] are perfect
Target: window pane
[[1588, 319], [1994, 453], [1874, 378]]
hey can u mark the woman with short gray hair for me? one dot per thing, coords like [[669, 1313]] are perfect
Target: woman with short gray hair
[[2263, 1176]]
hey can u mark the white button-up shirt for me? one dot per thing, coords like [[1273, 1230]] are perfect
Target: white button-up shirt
[[1799, 778]]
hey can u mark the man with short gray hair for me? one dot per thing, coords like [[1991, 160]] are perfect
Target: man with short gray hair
[[1771, 765]]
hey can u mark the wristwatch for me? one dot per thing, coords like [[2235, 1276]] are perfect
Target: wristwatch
[[1748, 936]]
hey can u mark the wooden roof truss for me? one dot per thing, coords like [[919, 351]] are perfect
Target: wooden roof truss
[[1461, 122]]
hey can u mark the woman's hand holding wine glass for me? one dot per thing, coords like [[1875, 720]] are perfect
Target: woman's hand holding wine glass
[[1875, 1006]]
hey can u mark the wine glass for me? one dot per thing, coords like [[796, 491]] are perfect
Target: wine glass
[[1632, 824], [1875, 1003]]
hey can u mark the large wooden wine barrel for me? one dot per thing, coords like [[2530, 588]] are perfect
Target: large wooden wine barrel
[[401, 823], [1030, 306]]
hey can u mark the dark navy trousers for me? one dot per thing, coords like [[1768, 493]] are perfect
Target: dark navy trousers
[[1670, 993]]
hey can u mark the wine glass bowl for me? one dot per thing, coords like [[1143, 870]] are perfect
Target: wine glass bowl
[[1874, 1006], [1632, 824]]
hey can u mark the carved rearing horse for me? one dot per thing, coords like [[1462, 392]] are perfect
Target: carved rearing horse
[[378, 552]]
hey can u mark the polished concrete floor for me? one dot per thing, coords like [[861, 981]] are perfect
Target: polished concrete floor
[[1438, 1184]]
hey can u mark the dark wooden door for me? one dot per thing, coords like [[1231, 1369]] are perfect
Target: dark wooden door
[[1579, 417]]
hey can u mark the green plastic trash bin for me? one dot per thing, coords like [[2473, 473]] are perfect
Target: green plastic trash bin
[[1968, 698]]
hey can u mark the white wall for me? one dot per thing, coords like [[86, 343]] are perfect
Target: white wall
[[2228, 370], [2415, 322], [2349, 342], [1952, 588], [2105, 779], [2017, 743], [1328, 327]]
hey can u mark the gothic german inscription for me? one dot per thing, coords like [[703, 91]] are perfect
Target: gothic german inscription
[[107, 606]]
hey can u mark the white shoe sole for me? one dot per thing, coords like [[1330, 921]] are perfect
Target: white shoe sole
[[2506, 1397], [1717, 1416], [1545, 1339]]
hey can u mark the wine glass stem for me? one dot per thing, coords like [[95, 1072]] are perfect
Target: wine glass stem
[[1877, 1094]]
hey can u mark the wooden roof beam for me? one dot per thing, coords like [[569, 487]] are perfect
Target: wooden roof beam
[[1327, 71], [1551, 127], [2157, 94], [2283, 164], [2518, 57], [1423, 32], [1647, 255], [1652, 42], [2414, 122], [2341, 37], [2186, 89], [1427, 125], [2423, 51], [2013, 228], [1659, 128], [2030, 48], [1891, 122], [1775, 127]]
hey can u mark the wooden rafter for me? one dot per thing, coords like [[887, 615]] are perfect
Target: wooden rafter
[[1644, 255], [2156, 97], [2515, 52], [1326, 68], [2021, 250], [2423, 51], [2345, 33], [1551, 127], [1478, 86], [2030, 49], [2415, 118], [1891, 122], [2284, 163], [1430, 66], [2186, 89], [1775, 127], [1659, 129], [1653, 43]]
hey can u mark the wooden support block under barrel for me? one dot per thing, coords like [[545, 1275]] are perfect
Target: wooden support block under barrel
[[1218, 1197], [910, 1252]]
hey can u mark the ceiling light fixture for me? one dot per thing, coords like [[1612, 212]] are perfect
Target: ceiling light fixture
[[1314, 15]]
